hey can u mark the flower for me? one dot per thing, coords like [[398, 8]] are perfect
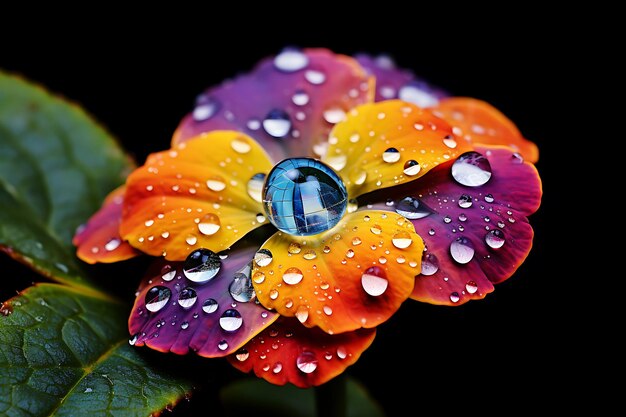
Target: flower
[[301, 204]]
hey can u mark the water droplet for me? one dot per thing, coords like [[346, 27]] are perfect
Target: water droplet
[[462, 218], [157, 297], [302, 314], [431, 232], [337, 162], [241, 288], [413, 208], [449, 141], [112, 244], [292, 276], [328, 310], [402, 240], [374, 281], [187, 297], [349, 254], [273, 293], [242, 355], [517, 158], [309, 255], [391, 155], [260, 218], [414, 92], [334, 115], [376, 229], [489, 198], [277, 123], [447, 219], [201, 265], [241, 145], [454, 297], [359, 178], [222, 345], [206, 107], [231, 320], [294, 248], [353, 205], [253, 124], [471, 169], [306, 362], [149, 223], [215, 184], [277, 367], [300, 98], [495, 238], [341, 352], [303, 196], [255, 187], [462, 250], [258, 277], [210, 306], [430, 264], [471, 287], [133, 340], [356, 241], [291, 60], [88, 390], [326, 249], [184, 325], [263, 257], [465, 201], [209, 224], [168, 273], [411, 168], [315, 77]]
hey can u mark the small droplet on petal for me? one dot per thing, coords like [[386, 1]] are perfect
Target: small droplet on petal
[[454, 297], [430, 264], [334, 115], [206, 107], [449, 141], [112, 244], [291, 60], [471, 169], [374, 281], [517, 158], [495, 239], [215, 184], [302, 314], [376, 229], [465, 201], [209, 224], [337, 162], [157, 297], [412, 93], [258, 277], [241, 145], [292, 276], [391, 155], [341, 352], [168, 273], [300, 98], [471, 287], [462, 250], [273, 293], [263, 257], [241, 288], [413, 208], [402, 240], [277, 367], [306, 362], [315, 77], [411, 168], [201, 265], [187, 297], [242, 355], [222, 345], [277, 123], [489, 198], [231, 320], [210, 306]]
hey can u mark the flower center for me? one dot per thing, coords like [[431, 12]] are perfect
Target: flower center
[[303, 196]]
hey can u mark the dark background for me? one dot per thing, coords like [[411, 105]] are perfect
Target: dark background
[[493, 355]]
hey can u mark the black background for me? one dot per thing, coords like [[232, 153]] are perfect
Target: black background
[[492, 355]]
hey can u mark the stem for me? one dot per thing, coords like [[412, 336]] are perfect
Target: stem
[[330, 398]]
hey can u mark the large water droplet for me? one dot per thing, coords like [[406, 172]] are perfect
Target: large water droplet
[[303, 196], [315, 77], [277, 123], [334, 115], [411, 168], [430, 264], [209, 224], [391, 155], [471, 287], [495, 238], [471, 169], [210, 306], [201, 265], [306, 362], [413, 208], [277, 367], [206, 107], [292, 276], [291, 60], [263, 257], [157, 297], [465, 201], [112, 244], [231, 320], [300, 98], [241, 288], [187, 297], [462, 250], [302, 314], [374, 281], [255, 187], [402, 240]]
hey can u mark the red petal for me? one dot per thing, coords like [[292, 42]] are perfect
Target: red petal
[[99, 239], [179, 323], [288, 352], [298, 105], [492, 234]]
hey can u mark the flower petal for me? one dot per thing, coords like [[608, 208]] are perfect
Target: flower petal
[[288, 103], [475, 236], [482, 124], [175, 313], [393, 82], [196, 195], [388, 143], [289, 352], [99, 239], [354, 275]]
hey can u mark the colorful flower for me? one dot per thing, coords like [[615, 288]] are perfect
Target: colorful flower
[[301, 204]]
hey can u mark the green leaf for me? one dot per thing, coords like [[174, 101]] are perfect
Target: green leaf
[[257, 397], [56, 167], [64, 353]]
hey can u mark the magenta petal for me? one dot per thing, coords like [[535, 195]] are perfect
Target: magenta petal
[[173, 313], [475, 236], [288, 103], [393, 82]]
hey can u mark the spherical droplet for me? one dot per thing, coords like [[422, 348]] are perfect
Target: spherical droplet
[[258, 277], [391, 155], [300, 98], [277, 123], [215, 184], [471, 169], [222, 345], [294, 248], [413, 208], [465, 201], [112, 244], [255, 187], [242, 355], [411, 168], [187, 297], [292, 276], [168, 273], [201, 265], [306, 362], [315, 77], [210, 306], [449, 141], [454, 297], [495, 238], [241, 145], [277, 367], [241, 288], [402, 240], [430, 264], [341, 352], [374, 281], [489, 198], [291, 60], [206, 107], [184, 325], [209, 224], [263, 257], [471, 287], [334, 115], [157, 297], [303, 196], [376, 229], [273, 293], [462, 250], [302, 314], [231, 320]]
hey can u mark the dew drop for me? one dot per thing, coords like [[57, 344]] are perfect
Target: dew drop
[[277, 367], [206, 108], [471, 287], [489, 198], [430, 264], [341, 352], [216, 184], [241, 288], [241, 145], [274, 294], [157, 297], [306, 362], [210, 306], [376, 229], [302, 314], [462, 250], [336, 162], [413, 208], [201, 265], [112, 244], [465, 201], [300, 98], [292, 276], [255, 187], [184, 325], [263, 257], [209, 224], [168, 273], [231, 320], [222, 345], [328, 310], [391, 155], [315, 77], [334, 115], [402, 240], [454, 297], [187, 297], [242, 355], [352, 206], [449, 141], [495, 238], [294, 248], [411, 168], [412, 93], [258, 277], [374, 281], [471, 169], [349, 254], [517, 158], [291, 60], [277, 123]]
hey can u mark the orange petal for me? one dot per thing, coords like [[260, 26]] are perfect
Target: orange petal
[[99, 239], [288, 352], [480, 123], [354, 275], [392, 142], [195, 195]]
